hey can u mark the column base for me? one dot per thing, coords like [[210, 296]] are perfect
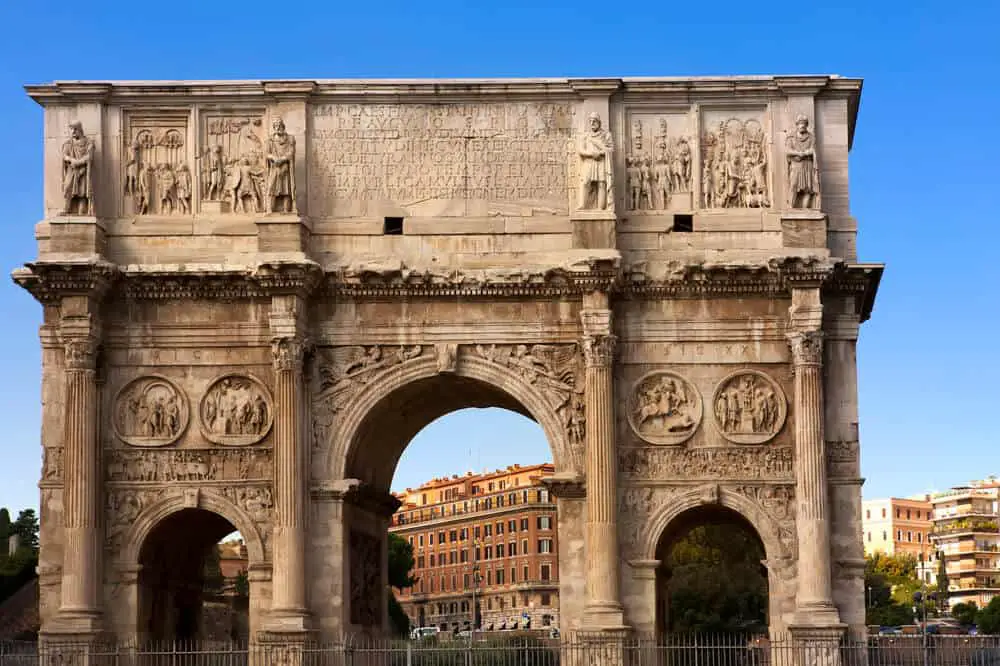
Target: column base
[[87, 625], [819, 616], [287, 622], [603, 617]]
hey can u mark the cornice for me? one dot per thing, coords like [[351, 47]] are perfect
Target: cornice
[[48, 282], [858, 280]]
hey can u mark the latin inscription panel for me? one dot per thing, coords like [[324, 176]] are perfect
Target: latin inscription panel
[[440, 159]]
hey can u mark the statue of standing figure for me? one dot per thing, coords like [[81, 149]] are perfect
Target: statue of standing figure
[[596, 178], [803, 177], [280, 158], [78, 174]]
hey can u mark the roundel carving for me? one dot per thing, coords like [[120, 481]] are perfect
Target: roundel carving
[[150, 411], [236, 411], [664, 408], [749, 407]]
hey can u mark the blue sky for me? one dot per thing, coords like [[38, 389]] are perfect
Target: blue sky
[[924, 170]]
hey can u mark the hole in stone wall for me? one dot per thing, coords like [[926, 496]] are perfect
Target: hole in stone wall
[[393, 226], [683, 222]]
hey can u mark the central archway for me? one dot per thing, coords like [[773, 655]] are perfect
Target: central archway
[[378, 424]]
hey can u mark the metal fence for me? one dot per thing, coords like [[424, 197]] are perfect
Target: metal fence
[[527, 651]]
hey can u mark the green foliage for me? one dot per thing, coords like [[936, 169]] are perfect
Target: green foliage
[[399, 622], [4, 523], [26, 527], [965, 613], [988, 619], [401, 562], [716, 583], [942, 582], [890, 581], [241, 583]]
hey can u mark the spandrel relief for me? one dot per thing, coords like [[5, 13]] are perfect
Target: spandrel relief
[[658, 166], [664, 408], [150, 411], [803, 171], [749, 407], [734, 161], [156, 178], [236, 411], [233, 163]]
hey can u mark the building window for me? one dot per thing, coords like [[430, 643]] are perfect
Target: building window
[[432, 559], [499, 576], [527, 574], [868, 513], [920, 537], [475, 532], [453, 536], [899, 535], [487, 530], [546, 599], [545, 522], [885, 537], [907, 514], [452, 557], [524, 524], [899, 513], [883, 512], [441, 538], [545, 572], [420, 539], [512, 548], [430, 539], [512, 526], [463, 555], [513, 574], [543, 495], [524, 546], [499, 550], [500, 527], [909, 536], [545, 545], [869, 537]]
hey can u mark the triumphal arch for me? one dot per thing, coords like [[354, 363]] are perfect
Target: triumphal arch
[[256, 292]]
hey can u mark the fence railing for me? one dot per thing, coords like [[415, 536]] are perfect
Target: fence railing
[[576, 650]]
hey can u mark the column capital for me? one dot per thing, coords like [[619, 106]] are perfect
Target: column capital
[[807, 347], [599, 350], [80, 353], [288, 353]]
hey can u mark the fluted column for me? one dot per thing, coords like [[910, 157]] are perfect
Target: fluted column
[[814, 598], [602, 609], [80, 607], [288, 602]]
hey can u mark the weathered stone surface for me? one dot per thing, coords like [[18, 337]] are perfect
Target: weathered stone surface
[[251, 307]]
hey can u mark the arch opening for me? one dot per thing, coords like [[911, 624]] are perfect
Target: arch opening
[[193, 583], [712, 578], [474, 538]]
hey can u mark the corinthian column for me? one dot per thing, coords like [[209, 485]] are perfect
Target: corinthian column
[[814, 598], [602, 609], [288, 602], [80, 608]]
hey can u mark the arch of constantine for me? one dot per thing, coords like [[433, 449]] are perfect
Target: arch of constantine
[[256, 293]]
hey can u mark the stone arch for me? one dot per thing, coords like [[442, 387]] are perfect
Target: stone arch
[[765, 526], [206, 500], [503, 388]]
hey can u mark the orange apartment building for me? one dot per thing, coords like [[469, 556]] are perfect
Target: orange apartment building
[[967, 534], [897, 526], [482, 541]]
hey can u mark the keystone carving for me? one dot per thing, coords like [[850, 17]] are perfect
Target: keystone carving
[[236, 411], [150, 411], [750, 407], [664, 408]]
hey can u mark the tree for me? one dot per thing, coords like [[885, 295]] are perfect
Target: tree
[[26, 528], [942, 583], [965, 613], [988, 619], [884, 606], [401, 562], [4, 524], [716, 584]]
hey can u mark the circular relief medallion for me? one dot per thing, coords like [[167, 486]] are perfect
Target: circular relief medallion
[[664, 408], [150, 411], [749, 407], [236, 411]]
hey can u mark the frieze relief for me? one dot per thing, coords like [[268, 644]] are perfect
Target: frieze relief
[[52, 464], [734, 165], [664, 408], [233, 165], [188, 465], [340, 372], [749, 407], [236, 411], [157, 178], [659, 163], [655, 463], [150, 411]]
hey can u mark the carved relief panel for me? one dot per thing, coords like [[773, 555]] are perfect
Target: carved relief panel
[[129, 466], [236, 410], [231, 162], [652, 463], [156, 178], [659, 161], [735, 159], [150, 411], [365, 552], [664, 408], [749, 407]]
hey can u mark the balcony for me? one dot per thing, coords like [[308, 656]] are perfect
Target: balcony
[[964, 525]]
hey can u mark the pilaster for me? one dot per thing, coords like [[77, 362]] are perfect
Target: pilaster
[[603, 609]]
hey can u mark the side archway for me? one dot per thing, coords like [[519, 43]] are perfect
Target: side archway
[[407, 397]]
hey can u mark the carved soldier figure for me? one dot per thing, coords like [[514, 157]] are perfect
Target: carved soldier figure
[[280, 158], [646, 194], [661, 177], [214, 170], [78, 175], [166, 184], [634, 177], [596, 178], [145, 189], [184, 188], [803, 185], [132, 173]]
